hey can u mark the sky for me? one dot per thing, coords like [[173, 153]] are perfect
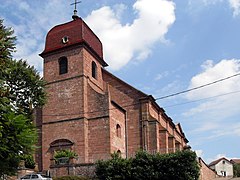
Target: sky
[[160, 47]]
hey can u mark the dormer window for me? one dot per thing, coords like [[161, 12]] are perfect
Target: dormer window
[[65, 39], [94, 70], [63, 65]]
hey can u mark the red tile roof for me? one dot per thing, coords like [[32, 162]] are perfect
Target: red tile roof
[[217, 161], [77, 32], [237, 161]]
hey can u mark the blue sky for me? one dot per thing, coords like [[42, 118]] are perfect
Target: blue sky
[[160, 47]]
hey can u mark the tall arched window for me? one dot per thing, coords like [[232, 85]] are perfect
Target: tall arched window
[[118, 130], [94, 70], [119, 153], [63, 65]]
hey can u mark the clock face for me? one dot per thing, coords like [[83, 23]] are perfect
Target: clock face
[[65, 39]]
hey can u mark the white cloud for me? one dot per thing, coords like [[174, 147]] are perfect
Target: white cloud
[[218, 156], [194, 3], [119, 10], [235, 5], [31, 31], [208, 126], [123, 43], [212, 73], [199, 152], [161, 75], [212, 113]]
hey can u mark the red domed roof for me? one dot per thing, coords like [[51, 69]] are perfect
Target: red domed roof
[[71, 33]]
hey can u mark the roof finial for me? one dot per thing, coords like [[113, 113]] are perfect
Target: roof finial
[[75, 16]]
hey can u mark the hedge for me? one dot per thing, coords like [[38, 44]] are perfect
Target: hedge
[[181, 165]]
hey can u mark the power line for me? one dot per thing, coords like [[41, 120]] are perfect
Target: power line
[[198, 87], [163, 97], [211, 97]]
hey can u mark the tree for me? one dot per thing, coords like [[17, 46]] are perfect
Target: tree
[[21, 90], [24, 85], [7, 42], [236, 170]]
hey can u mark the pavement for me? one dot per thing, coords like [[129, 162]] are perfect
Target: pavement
[[238, 178]]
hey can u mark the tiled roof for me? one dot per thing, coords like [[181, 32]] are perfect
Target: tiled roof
[[237, 161], [76, 32], [217, 161]]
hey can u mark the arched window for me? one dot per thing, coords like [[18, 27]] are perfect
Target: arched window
[[119, 152], [60, 143], [94, 70], [118, 130], [63, 65], [58, 146]]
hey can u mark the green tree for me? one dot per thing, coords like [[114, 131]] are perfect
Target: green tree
[[24, 86], [29, 161], [7, 42], [21, 90], [236, 170]]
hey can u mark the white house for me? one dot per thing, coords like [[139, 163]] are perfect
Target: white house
[[223, 167]]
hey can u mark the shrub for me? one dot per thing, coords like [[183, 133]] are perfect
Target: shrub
[[181, 165], [65, 153], [115, 168], [29, 161], [236, 170]]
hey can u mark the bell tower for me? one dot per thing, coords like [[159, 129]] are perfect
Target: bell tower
[[73, 59], [72, 53]]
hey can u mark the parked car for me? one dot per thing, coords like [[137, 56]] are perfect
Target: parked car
[[35, 177]]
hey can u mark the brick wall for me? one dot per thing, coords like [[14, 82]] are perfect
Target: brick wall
[[74, 170], [86, 110], [128, 99], [205, 172], [70, 130], [98, 139], [117, 130]]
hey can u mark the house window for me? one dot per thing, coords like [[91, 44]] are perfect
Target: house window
[[118, 130], [223, 162], [63, 65], [94, 70], [224, 174]]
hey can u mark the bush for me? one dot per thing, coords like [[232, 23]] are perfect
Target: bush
[[116, 168], [70, 178], [181, 165], [65, 153], [29, 161], [236, 170]]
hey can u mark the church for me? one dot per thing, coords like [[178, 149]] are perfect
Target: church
[[92, 112]]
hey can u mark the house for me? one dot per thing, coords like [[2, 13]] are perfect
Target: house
[[222, 166], [92, 112], [235, 161]]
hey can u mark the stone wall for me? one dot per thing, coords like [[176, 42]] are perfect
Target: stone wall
[[73, 170]]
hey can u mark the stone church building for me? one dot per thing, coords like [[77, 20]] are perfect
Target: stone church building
[[92, 112]]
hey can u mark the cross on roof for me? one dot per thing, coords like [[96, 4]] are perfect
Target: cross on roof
[[75, 9]]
